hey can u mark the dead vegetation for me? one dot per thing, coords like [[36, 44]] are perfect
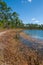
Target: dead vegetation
[[15, 53]]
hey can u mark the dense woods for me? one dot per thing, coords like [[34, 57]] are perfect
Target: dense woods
[[10, 19], [7, 18]]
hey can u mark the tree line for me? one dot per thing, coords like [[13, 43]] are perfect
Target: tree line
[[33, 26]]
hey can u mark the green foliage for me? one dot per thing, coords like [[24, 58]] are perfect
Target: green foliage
[[8, 19]]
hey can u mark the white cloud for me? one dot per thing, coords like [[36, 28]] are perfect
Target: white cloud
[[35, 21], [25, 1], [29, 0]]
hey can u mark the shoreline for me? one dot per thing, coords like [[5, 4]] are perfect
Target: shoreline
[[32, 43], [29, 38]]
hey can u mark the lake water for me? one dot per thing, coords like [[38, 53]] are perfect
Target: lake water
[[38, 34]]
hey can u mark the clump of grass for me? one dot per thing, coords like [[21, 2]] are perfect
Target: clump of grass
[[16, 36]]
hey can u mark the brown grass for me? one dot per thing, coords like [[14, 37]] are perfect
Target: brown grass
[[13, 52]]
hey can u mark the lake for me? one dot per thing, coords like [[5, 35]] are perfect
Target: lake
[[38, 34]]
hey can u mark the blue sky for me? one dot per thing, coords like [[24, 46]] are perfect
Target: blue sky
[[30, 11]]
